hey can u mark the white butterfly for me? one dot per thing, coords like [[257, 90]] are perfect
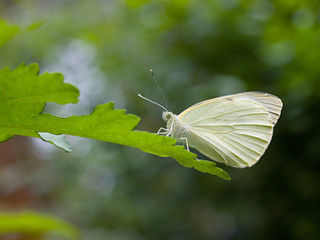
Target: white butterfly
[[234, 130]]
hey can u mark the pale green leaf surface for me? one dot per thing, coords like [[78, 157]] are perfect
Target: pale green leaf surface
[[57, 140], [35, 223], [23, 94]]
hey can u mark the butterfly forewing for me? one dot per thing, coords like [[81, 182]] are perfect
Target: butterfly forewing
[[232, 130]]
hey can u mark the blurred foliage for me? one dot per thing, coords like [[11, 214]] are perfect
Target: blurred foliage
[[198, 50], [7, 32], [35, 224]]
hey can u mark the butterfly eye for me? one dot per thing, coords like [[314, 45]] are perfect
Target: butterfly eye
[[166, 116]]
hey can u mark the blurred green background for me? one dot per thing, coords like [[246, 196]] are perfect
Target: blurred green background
[[197, 50]]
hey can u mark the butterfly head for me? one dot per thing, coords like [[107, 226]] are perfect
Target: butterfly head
[[166, 116]]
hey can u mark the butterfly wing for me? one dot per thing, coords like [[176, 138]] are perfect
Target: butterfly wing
[[234, 130]]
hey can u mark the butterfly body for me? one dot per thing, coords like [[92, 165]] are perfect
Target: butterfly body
[[176, 129], [234, 130]]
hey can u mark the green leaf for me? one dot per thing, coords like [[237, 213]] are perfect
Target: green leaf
[[7, 32], [210, 167], [23, 95], [35, 223]]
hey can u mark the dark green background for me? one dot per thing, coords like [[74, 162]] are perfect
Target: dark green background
[[197, 50]]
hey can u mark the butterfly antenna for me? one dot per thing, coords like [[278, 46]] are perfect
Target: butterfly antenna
[[155, 80], [152, 102]]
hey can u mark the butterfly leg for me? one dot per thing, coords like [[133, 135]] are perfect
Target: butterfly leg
[[187, 145], [186, 142], [162, 131], [170, 131]]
